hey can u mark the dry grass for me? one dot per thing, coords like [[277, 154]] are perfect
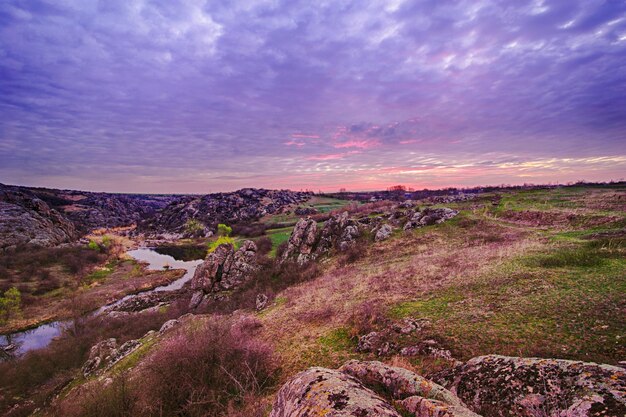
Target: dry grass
[[395, 271]]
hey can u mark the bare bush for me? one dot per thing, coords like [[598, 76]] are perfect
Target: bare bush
[[207, 372]]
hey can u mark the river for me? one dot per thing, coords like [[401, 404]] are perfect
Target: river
[[39, 337]]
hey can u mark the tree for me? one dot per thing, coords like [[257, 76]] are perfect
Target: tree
[[10, 304]]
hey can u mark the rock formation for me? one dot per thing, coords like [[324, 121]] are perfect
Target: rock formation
[[365, 389], [239, 206], [224, 269], [383, 232], [501, 386], [106, 353], [301, 242], [430, 216], [26, 219], [339, 232]]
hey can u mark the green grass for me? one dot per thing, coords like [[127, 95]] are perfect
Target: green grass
[[278, 236], [439, 306], [338, 340], [560, 302], [101, 274]]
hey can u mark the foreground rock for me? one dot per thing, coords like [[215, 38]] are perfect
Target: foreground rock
[[224, 269], [365, 389], [502, 386]]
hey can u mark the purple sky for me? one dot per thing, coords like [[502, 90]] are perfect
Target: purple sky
[[203, 96]]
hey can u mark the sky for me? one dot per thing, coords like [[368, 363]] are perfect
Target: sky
[[196, 96]]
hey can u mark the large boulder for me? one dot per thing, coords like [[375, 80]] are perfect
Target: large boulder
[[330, 393], [430, 216], [502, 386], [301, 242], [365, 389], [226, 268]]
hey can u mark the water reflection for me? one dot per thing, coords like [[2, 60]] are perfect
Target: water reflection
[[16, 344]]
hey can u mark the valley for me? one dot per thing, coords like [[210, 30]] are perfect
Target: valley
[[422, 285]]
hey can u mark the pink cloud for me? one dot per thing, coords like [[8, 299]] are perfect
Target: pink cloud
[[303, 136], [356, 143], [406, 142], [294, 143], [330, 156]]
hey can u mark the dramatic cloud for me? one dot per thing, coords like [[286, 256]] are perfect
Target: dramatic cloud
[[196, 96]]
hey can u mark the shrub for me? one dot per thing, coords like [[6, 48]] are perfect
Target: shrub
[[366, 318], [214, 369], [10, 304], [220, 241], [264, 245], [113, 399], [224, 230], [280, 249], [194, 228], [249, 229]]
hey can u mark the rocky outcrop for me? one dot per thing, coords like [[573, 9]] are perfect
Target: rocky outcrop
[[224, 269], [321, 391], [240, 206], [339, 232], [365, 389], [383, 232], [430, 216], [502, 386], [26, 219], [302, 241], [106, 353], [143, 301]]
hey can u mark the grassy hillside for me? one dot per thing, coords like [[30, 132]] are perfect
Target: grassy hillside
[[524, 273]]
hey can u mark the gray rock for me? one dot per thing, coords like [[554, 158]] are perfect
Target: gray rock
[[196, 299], [383, 232], [429, 348], [25, 219], [170, 324], [105, 354], [399, 382], [430, 216], [226, 269], [261, 301], [321, 391], [339, 232], [365, 389], [410, 325], [301, 242], [502, 386]]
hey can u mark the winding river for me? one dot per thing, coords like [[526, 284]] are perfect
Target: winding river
[[39, 337]]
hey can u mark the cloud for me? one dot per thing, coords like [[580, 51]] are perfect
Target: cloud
[[206, 93]]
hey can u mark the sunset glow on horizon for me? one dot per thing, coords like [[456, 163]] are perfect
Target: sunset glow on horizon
[[201, 96]]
